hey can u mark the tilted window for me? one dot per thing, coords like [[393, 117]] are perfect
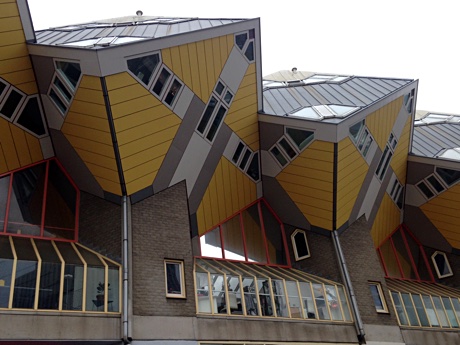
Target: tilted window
[[144, 67], [174, 278], [300, 245], [378, 297], [441, 265]]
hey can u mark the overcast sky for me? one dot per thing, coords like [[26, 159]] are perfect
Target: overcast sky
[[402, 39]]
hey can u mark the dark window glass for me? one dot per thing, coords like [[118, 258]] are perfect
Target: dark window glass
[[300, 241], [70, 70], [400, 200], [253, 168], [241, 39], [63, 89], [4, 188], [448, 175], [249, 53], [252, 33], [287, 148], [11, 104], [420, 310], [6, 270], [382, 160], [50, 276], [376, 297], [385, 166], [143, 67], [26, 274], [399, 309], [161, 81], [26, 202], [173, 91], [368, 145], [173, 278], [2, 87], [61, 106], [245, 159], [237, 153], [228, 97], [300, 137], [207, 115], [425, 190], [31, 117], [219, 88], [435, 184], [73, 284], [216, 123], [441, 263], [410, 309], [279, 156], [61, 200], [354, 130]]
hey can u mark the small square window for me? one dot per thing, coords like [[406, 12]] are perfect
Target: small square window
[[441, 265], [174, 279], [377, 296]]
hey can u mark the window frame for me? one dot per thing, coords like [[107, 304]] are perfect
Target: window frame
[[155, 71], [182, 294], [64, 78], [6, 94], [441, 276], [381, 296], [294, 245], [41, 116]]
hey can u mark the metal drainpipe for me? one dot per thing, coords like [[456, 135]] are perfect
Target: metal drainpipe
[[346, 277], [125, 262]]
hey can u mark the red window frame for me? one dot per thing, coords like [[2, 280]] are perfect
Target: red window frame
[[262, 226], [3, 231]]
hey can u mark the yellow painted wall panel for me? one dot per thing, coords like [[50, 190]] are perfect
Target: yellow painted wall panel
[[224, 51], [35, 148], [98, 159], [220, 191], [137, 185], [149, 167], [380, 123], [8, 145], [186, 76], [134, 105], [130, 92], [320, 199], [3, 164], [29, 88], [239, 119], [89, 109], [90, 82], [88, 121], [302, 166], [147, 142], [19, 77], [16, 64], [10, 24], [149, 154], [195, 74], [87, 133], [92, 146], [90, 96], [399, 160], [109, 186], [210, 71], [118, 80], [148, 128], [253, 141], [205, 89], [8, 9], [11, 37], [103, 172], [13, 51], [304, 185], [166, 57], [387, 220], [20, 144], [140, 118], [176, 63], [216, 54]]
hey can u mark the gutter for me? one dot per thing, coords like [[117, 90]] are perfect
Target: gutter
[[125, 280], [351, 294]]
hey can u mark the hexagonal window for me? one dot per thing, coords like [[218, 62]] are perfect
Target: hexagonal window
[[441, 264]]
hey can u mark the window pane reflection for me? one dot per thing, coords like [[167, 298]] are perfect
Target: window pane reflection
[[6, 270], [255, 242], [50, 276], [26, 275]]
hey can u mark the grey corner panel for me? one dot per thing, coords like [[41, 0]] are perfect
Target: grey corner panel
[[74, 165], [270, 133], [179, 145], [418, 171], [425, 231], [282, 204], [208, 168], [44, 73]]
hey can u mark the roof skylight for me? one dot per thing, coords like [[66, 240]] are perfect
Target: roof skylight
[[320, 112]]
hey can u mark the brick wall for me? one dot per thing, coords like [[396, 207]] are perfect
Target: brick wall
[[454, 262], [161, 229], [364, 266], [100, 226]]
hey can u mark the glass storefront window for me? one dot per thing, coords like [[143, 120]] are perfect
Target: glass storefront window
[[6, 271]]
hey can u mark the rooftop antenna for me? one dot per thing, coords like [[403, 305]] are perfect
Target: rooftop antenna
[[294, 70], [139, 13]]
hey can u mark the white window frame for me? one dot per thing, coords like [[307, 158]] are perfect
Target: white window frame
[[154, 72], [382, 167], [63, 77], [41, 116], [381, 297], [10, 89], [167, 89], [294, 245], [155, 77], [440, 276], [5, 90], [180, 263], [293, 143], [246, 44]]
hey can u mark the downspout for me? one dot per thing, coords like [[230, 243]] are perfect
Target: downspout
[[346, 278], [125, 327]]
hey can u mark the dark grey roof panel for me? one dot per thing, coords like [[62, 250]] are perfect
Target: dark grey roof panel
[[286, 100], [271, 98], [348, 95], [392, 83], [429, 140], [385, 87], [330, 97], [341, 99], [379, 89], [356, 93], [308, 97], [372, 87], [359, 87]]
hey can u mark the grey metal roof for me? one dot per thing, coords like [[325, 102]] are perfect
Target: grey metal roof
[[285, 98], [430, 140], [124, 30]]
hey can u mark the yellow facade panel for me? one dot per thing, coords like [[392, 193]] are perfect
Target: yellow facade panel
[[127, 93], [140, 118], [89, 134], [98, 159], [315, 220], [210, 71], [90, 96], [20, 144], [29, 88], [224, 51], [201, 56], [104, 149], [302, 184], [10, 24], [13, 51], [166, 57], [134, 106], [148, 167], [90, 82], [139, 158], [318, 199], [19, 77], [88, 121], [139, 184], [35, 148], [321, 170], [9, 9], [253, 141], [9, 150], [148, 128], [14, 65], [176, 63], [109, 186], [220, 191], [216, 55], [214, 197], [186, 67], [11, 37], [3, 164], [194, 72], [92, 109], [399, 161], [147, 142], [241, 118], [380, 123], [387, 220], [116, 81], [446, 207], [110, 174]]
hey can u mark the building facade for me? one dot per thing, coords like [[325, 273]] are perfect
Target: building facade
[[155, 188]]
